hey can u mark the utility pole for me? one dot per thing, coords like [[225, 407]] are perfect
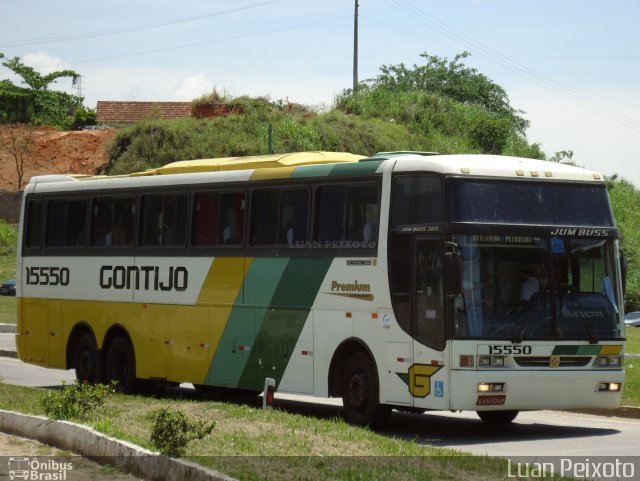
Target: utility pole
[[355, 48], [79, 85]]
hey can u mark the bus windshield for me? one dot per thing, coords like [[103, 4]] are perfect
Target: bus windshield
[[529, 203], [521, 287]]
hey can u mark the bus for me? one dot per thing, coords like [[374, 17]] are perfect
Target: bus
[[407, 281]]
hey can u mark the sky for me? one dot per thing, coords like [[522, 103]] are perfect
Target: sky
[[572, 66]]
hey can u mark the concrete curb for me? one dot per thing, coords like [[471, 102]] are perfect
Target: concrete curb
[[100, 448], [631, 412], [7, 328]]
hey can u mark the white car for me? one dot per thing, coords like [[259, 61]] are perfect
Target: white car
[[632, 319]]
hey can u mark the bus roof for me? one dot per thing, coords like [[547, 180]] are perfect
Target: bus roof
[[494, 166], [253, 162], [310, 164]]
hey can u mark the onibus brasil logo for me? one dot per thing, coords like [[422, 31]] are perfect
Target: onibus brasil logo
[[38, 470]]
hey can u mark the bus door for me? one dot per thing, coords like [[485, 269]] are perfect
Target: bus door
[[429, 373]]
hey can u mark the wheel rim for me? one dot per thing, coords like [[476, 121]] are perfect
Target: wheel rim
[[85, 364], [358, 390]]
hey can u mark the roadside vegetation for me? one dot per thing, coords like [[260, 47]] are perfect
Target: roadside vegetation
[[8, 241], [251, 443]]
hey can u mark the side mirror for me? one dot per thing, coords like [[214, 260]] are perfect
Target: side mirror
[[452, 272]]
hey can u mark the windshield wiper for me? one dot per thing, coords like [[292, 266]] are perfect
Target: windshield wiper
[[540, 301], [585, 322]]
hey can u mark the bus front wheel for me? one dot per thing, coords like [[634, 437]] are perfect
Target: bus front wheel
[[497, 417], [360, 393], [86, 360], [121, 366]]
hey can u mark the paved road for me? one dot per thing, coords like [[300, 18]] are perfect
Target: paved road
[[542, 433], [7, 342]]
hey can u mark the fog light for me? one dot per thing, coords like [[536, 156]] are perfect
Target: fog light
[[484, 387], [497, 387], [466, 360], [609, 387]]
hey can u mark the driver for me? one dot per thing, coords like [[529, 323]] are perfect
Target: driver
[[532, 285]]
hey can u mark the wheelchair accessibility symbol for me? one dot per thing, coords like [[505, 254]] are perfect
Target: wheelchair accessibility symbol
[[439, 389]]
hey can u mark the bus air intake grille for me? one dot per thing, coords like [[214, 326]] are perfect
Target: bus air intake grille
[[544, 361]]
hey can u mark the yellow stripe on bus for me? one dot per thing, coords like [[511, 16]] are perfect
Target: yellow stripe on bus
[[221, 290], [610, 350]]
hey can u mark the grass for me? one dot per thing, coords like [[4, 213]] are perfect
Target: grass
[[633, 340], [631, 394], [8, 240], [249, 443]]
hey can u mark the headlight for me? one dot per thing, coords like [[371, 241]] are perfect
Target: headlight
[[608, 361], [490, 361]]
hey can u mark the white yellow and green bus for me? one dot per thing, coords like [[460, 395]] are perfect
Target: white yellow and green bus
[[404, 280]]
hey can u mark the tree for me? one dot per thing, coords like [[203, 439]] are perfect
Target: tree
[[36, 80], [561, 155], [453, 79], [18, 144], [36, 104]]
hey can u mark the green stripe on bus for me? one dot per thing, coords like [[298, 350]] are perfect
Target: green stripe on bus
[[355, 168], [238, 340], [576, 350], [284, 320], [311, 171]]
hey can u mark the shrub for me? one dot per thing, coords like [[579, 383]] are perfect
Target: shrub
[[8, 237], [172, 430], [75, 400]]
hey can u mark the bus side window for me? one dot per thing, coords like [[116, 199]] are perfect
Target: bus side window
[[124, 216], [264, 215], [66, 221], [112, 222], [164, 220], [294, 216], [35, 213], [205, 218], [417, 199], [151, 222], [231, 218], [363, 205], [101, 222], [330, 211], [174, 220]]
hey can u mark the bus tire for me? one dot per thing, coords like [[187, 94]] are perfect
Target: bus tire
[[121, 365], [497, 417], [360, 393], [86, 360]]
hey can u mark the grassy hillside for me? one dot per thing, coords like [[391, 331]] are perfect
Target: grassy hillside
[[365, 123]]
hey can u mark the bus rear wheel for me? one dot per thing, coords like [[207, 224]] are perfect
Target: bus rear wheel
[[121, 365], [497, 417], [86, 360], [360, 393]]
